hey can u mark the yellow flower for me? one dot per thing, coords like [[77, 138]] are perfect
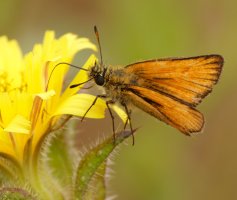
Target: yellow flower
[[30, 104]]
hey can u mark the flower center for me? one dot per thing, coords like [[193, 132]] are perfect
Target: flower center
[[12, 82]]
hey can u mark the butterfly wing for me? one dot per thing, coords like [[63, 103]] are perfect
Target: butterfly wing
[[171, 88], [184, 118], [187, 80]]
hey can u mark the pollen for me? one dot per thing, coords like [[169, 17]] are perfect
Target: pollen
[[9, 84]]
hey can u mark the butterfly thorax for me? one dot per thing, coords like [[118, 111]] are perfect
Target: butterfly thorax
[[114, 80]]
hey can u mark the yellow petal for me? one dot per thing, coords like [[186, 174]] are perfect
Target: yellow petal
[[70, 44], [120, 112], [46, 95], [78, 105], [19, 124], [10, 64]]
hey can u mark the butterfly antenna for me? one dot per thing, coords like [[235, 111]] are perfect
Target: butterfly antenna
[[62, 63], [78, 84], [98, 40]]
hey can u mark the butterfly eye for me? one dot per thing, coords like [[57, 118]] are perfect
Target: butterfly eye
[[99, 79]]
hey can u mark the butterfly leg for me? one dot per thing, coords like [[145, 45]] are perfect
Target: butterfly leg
[[126, 122], [93, 103], [129, 120], [111, 115]]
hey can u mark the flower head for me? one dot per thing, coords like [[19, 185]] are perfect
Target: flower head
[[31, 104]]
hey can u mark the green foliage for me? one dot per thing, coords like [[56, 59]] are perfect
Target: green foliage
[[58, 176], [93, 163]]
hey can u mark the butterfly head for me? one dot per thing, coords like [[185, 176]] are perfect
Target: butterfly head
[[97, 72]]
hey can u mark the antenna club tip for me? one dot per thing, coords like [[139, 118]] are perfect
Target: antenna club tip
[[98, 40]]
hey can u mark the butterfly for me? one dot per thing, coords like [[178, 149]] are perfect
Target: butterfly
[[168, 89]]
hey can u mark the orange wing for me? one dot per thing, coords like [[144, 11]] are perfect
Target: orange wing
[[171, 88], [187, 80]]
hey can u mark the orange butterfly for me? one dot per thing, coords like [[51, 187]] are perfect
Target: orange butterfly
[[168, 89]]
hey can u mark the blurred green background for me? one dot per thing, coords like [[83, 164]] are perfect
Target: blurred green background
[[163, 164]]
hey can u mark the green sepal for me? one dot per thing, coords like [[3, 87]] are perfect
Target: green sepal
[[56, 167], [59, 159], [10, 171], [93, 162]]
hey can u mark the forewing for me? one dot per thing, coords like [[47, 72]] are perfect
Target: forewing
[[187, 80], [184, 118]]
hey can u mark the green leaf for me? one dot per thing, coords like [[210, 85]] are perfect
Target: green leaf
[[98, 184], [92, 164]]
